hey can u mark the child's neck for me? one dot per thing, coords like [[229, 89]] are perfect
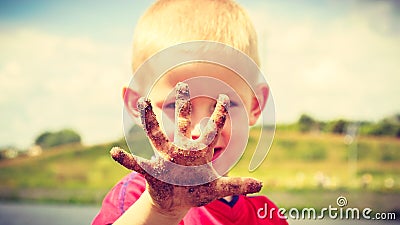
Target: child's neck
[[228, 198]]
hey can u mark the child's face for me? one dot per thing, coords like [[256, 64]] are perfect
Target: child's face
[[244, 106]]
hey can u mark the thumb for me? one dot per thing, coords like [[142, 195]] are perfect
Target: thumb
[[126, 159]]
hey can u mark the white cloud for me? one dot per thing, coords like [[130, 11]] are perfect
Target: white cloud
[[330, 67], [51, 82]]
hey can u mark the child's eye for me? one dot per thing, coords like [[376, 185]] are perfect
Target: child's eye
[[233, 104], [170, 105]]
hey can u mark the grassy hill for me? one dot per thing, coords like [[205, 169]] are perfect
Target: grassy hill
[[71, 173], [301, 170]]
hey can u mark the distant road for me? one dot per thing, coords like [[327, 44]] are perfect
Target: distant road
[[45, 214], [54, 214]]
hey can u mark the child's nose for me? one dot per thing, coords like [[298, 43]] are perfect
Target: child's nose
[[196, 132], [201, 112], [198, 127]]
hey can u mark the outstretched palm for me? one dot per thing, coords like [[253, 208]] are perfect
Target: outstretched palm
[[174, 159]]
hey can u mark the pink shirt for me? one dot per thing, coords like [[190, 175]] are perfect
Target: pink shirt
[[241, 210]]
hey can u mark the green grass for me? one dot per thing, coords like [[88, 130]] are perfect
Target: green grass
[[72, 173], [296, 161], [299, 168]]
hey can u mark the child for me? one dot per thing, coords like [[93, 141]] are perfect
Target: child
[[221, 201]]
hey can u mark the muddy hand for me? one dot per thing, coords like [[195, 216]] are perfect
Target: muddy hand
[[189, 154]]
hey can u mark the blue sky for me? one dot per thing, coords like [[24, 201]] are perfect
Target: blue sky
[[63, 63]]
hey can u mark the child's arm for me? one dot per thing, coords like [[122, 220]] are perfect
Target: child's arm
[[165, 203], [143, 211]]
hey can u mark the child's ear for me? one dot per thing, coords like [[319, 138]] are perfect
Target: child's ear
[[131, 98], [258, 103]]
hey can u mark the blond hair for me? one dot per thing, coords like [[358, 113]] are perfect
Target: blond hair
[[170, 22]]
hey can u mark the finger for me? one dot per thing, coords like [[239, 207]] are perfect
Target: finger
[[182, 111], [126, 159], [151, 126], [216, 122], [227, 186]]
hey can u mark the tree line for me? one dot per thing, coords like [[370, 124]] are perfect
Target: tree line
[[46, 140], [52, 139], [388, 126]]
